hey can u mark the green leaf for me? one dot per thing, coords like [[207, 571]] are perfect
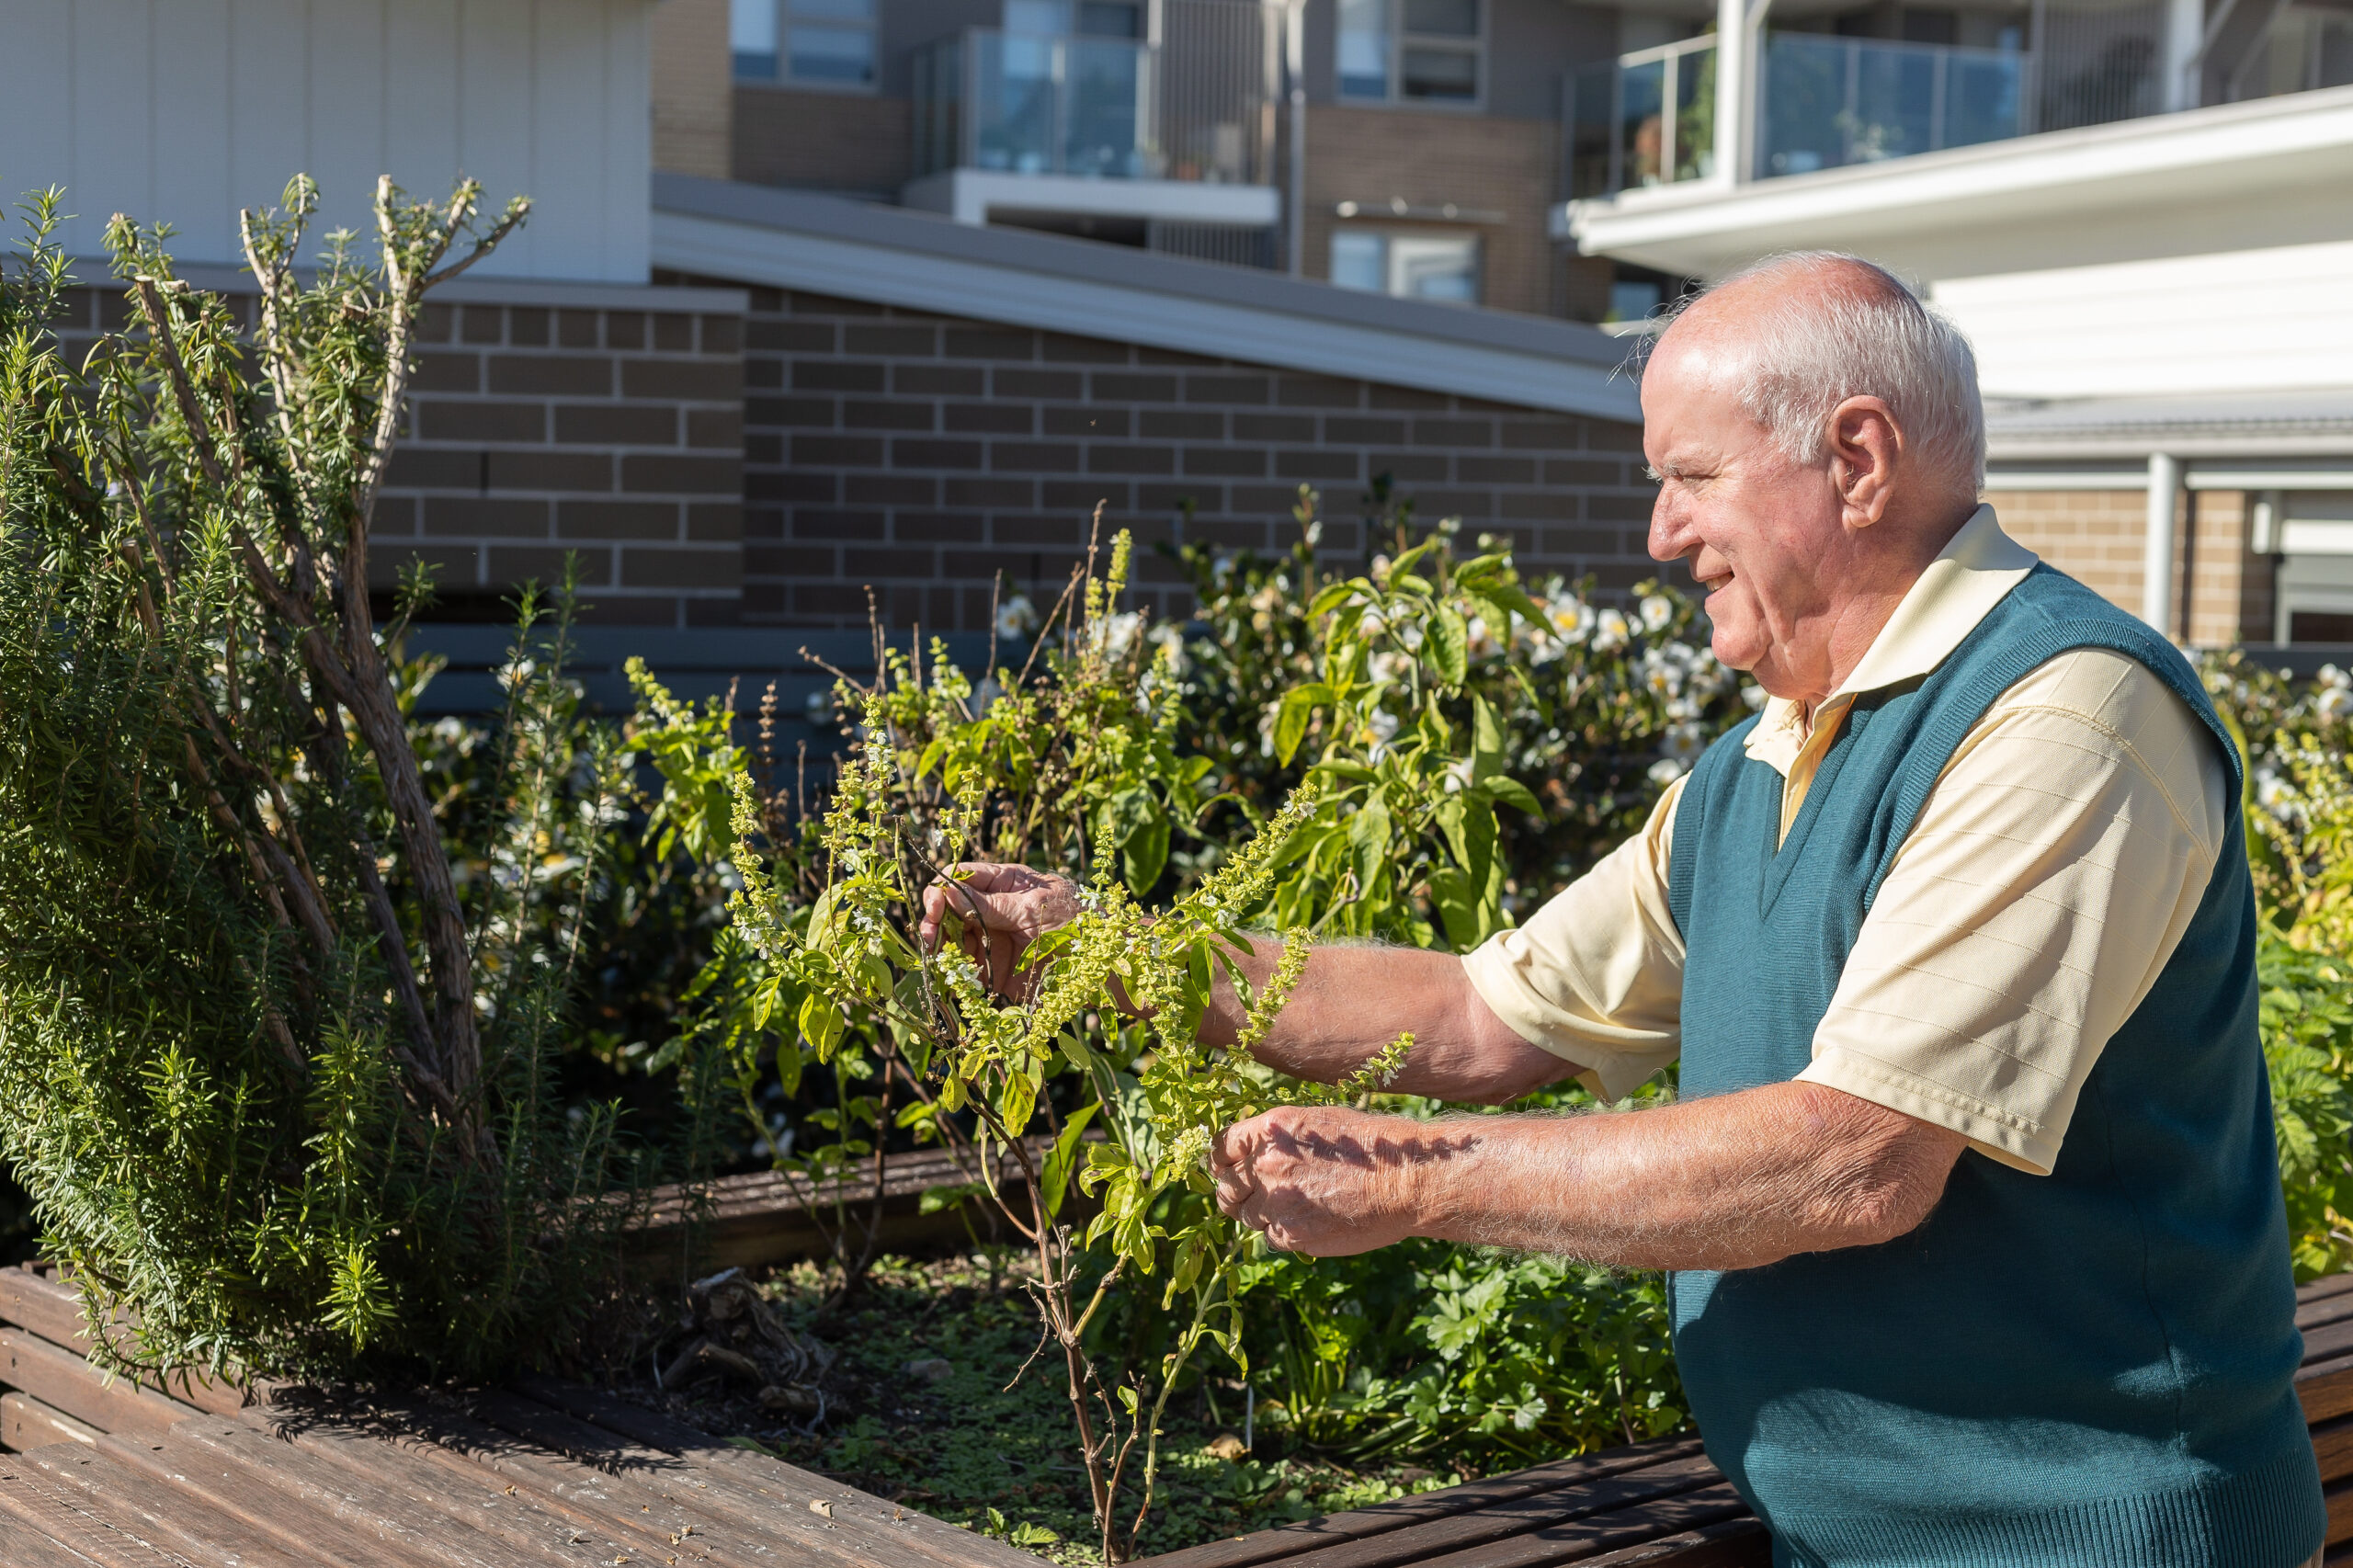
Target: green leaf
[[1291, 721], [1331, 598], [1486, 740], [1055, 1177], [1369, 833], [1447, 640], [821, 1024], [936, 1199], [1512, 792], [1143, 854]]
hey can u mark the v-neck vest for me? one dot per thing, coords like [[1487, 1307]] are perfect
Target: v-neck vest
[[2089, 1368]]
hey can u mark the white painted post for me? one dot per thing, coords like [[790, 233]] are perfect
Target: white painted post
[[2185, 33], [2156, 558], [1733, 42]]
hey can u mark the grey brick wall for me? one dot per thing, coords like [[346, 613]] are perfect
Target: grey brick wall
[[924, 455], [554, 418]]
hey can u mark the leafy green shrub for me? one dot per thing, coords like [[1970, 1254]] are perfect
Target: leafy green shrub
[[1418, 682], [277, 1083]]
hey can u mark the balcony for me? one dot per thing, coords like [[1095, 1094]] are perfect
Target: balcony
[[1822, 103], [1168, 136]]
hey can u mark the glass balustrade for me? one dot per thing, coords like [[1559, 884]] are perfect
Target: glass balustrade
[[1648, 118], [1188, 107], [1828, 102]]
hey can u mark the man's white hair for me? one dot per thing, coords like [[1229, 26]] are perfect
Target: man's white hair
[[1860, 336]]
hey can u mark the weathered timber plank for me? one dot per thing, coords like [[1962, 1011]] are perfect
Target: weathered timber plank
[[362, 1500], [611, 1501], [1292, 1540], [2329, 1340], [63, 1379], [412, 1468], [2322, 1288], [1581, 1540], [182, 1470], [43, 1304], [764, 1216], [2340, 1511], [1617, 1495], [771, 1479], [188, 1525], [2312, 1310], [38, 1503], [2325, 1389], [50, 1307], [852, 1525], [1735, 1543], [21, 1546], [27, 1423], [2333, 1447]]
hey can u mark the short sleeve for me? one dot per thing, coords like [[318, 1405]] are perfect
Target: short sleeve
[[1596, 976], [2049, 877]]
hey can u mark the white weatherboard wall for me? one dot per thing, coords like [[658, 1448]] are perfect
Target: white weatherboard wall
[[185, 111], [2242, 321]]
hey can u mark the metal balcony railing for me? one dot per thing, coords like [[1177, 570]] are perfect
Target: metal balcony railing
[[1644, 119], [1192, 106]]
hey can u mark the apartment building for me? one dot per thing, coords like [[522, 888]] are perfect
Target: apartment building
[[1405, 147], [2136, 209]]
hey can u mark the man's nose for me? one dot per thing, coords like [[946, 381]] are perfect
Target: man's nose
[[1670, 533]]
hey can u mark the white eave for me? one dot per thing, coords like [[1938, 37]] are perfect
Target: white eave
[[2271, 171], [780, 239]]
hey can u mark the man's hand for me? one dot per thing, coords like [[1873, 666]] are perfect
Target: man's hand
[[1323, 1180], [998, 911]]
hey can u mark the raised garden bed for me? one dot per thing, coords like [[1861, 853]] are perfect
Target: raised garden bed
[[189, 1473]]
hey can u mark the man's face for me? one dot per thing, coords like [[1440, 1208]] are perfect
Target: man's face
[[1759, 532]]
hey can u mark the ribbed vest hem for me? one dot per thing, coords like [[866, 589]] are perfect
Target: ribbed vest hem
[[2270, 1516]]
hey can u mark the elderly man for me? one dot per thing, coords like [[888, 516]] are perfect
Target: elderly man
[[1969, 1199]]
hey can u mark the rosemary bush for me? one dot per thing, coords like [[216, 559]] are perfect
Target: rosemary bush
[[277, 1084]]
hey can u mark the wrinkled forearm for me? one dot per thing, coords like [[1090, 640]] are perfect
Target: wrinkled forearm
[[1353, 1000], [1735, 1181]]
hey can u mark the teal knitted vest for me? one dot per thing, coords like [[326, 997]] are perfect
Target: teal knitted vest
[[2089, 1368]]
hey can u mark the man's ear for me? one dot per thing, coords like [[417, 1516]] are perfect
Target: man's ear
[[1867, 449]]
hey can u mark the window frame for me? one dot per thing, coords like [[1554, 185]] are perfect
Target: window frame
[[1398, 40], [1388, 234], [785, 80]]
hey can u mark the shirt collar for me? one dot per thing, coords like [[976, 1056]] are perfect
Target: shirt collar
[[1975, 572]]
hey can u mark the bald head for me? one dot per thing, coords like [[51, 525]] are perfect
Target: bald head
[[1794, 337]]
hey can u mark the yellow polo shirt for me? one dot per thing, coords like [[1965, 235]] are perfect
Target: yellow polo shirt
[[2052, 871]]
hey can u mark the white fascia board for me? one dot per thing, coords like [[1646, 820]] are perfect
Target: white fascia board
[[2301, 142], [970, 196], [2009, 481], [750, 254]]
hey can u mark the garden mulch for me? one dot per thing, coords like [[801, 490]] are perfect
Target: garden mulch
[[151, 1474]]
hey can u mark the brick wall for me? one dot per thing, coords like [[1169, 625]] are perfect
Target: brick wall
[[555, 417], [693, 88], [851, 141], [610, 432], [1428, 158], [2097, 536], [924, 455]]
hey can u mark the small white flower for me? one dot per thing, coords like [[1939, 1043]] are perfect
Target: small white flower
[[1754, 696], [1016, 617], [1657, 610], [1665, 771], [1382, 729], [1315, 533], [1611, 632], [1458, 775]]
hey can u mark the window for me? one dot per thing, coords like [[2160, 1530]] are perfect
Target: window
[[1409, 266], [1422, 50], [1086, 19], [826, 43]]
